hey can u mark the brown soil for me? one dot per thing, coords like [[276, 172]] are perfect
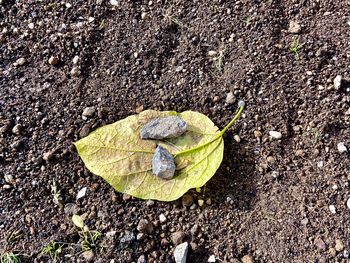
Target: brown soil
[[280, 190]]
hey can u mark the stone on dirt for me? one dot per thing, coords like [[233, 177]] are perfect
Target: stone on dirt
[[294, 27], [163, 164], [342, 148], [337, 82], [180, 253], [247, 259], [164, 128], [275, 135]]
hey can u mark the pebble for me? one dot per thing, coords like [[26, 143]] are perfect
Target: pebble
[[212, 53], [200, 202], [230, 98], [346, 254], [31, 25], [140, 236], [339, 245], [162, 218], [237, 138], [144, 226], [320, 244], [75, 71], [178, 237], [114, 2], [141, 259], [21, 61], [341, 147], [348, 203], [275, 135], [163, 164], [304, 221], [337, 82], [294, 27], [187, 200], [149, 202], [53, 60], [257, 134], [241, 104], [332, 209], [89, 112], [17, 129], [247, 259], [143, 15], [75, 60], [180, 253], [164, 128], [81, 193], [212, 259]]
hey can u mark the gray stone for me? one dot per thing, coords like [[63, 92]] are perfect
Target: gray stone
[[230, 98], [180, 253], [164, 128], [163, 164], [89, 111]]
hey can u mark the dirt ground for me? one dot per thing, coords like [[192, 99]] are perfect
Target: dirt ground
[[272, 200]]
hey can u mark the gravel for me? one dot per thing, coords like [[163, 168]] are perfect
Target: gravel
[[89, 112], [53, 60], [17, 129], [339, 245], [337, 82], [342, 148], [162, 218], [294, 27], [164, 128], [247, 259], [348, 203], [163, 164], [212, 259], [180, 253], [275, 135], [128, 238], [230, 98], [81, 193], [332, 209]]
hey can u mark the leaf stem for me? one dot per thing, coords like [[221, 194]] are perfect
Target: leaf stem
[[217, 136]]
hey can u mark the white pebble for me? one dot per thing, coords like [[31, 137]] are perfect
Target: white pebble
[[162, 218], [143, 16], [21, 61], [348, 203], [237, 138], [81, 193], [114, 2], [75, 60], [342, 148], [275, 135], [31, 25], [212, 259], [337, 82], [89, 112], [332, 209], [212, 53]]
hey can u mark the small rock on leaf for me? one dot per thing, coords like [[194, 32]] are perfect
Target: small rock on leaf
[[163, 164], [164, 128]]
